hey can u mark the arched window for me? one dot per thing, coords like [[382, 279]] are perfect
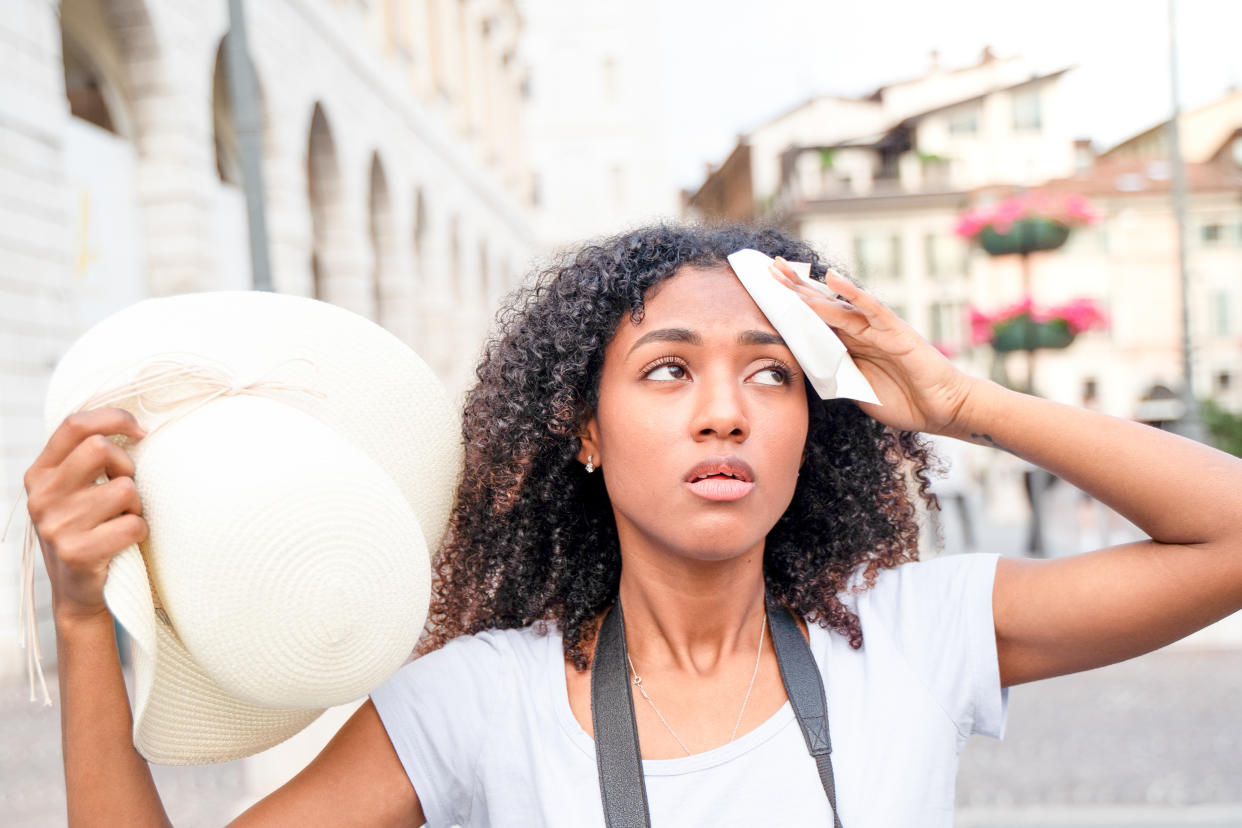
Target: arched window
[[223, 130], [324, 192], [382, 237], [87, 88]]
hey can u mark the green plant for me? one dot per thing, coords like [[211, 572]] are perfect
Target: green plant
[[827, 157], [1224, 426], [1023, 325]]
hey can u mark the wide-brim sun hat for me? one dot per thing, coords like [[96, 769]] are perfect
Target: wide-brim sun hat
[[300, 464]]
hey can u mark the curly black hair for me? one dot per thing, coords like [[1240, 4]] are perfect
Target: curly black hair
[[532, 538]]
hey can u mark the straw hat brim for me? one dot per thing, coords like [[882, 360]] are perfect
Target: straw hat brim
[[350, 434]]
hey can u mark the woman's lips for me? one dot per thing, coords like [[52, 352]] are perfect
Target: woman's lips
[[720, 487]]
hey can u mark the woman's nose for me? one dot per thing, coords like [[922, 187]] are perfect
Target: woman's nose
[[721, 411]]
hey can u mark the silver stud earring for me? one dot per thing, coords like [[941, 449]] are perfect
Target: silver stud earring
[[590, 467]]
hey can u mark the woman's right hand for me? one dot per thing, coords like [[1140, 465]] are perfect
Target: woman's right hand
[[82, 525]]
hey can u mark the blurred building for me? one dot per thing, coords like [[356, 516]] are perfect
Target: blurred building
[[394, 167], [878, 183], [1207, 134], [598, 145]]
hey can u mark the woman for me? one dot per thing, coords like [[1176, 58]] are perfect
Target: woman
[[641, 436]]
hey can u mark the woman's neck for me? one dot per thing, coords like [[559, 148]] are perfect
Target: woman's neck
[[691, 615]]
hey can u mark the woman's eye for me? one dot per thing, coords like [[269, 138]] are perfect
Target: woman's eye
[[772, 375], [669, 371]]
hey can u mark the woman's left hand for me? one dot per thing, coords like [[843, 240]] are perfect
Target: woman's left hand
[[921, 390]]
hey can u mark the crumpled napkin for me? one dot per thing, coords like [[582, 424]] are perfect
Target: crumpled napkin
[[819, 351]]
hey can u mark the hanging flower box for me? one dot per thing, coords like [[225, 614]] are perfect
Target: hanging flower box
[[1026, 223], [1025, 236], [1024, 332], [1025, 327]]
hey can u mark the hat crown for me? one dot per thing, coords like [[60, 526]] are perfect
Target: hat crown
[[316, 572]]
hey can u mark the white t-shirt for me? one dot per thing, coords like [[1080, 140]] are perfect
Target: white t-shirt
[[484, 729]]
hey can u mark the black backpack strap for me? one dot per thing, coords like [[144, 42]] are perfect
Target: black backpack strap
[[617, 754], [805, 689], [616, 732]]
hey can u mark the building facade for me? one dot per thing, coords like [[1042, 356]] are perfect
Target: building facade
[[878, 184], [598, 146], [393, 165]]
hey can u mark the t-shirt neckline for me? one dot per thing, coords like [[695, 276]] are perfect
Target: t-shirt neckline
[[559, 691]]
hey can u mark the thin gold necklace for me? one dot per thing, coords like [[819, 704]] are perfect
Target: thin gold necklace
[[638, 682]]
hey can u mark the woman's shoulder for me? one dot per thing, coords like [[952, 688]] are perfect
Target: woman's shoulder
[[925, 598], [933, 577], [502, 640], [487, 655], [929, 623], [443, 709]]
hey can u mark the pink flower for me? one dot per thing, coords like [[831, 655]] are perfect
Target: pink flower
[[1083, 315], [980, 327], [1079, 315], [971, 223], [1072, 210], [1077, 207]]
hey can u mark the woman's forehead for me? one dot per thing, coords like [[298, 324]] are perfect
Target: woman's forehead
[[699, 297]]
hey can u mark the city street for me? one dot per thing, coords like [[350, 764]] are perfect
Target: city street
[[1156, 741]]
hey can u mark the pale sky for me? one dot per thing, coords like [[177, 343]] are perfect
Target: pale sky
[[732, 64]]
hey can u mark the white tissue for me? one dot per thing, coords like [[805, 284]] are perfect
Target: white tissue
[[821, 354]]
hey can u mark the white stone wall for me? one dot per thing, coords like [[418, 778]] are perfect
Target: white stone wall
[[35, 301], [448, 135], [598, 144]]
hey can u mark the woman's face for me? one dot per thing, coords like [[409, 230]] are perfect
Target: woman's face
[[702, 420]]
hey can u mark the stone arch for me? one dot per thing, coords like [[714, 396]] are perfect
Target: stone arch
[[223, 128], [382, 236], [94, 95], [231, 243], [111, 59], [118, 41], [420, 264], [328, 252]]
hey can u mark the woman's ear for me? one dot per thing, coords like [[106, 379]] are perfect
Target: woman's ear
[[589, 435]]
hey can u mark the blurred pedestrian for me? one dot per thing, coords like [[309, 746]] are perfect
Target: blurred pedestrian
[[955, 490]]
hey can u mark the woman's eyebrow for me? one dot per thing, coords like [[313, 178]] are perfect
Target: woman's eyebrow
[[752, 337], [760, 338], [667, 335]]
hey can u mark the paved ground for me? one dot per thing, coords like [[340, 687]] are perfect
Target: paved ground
[[1155, 742], [1156, 733]]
